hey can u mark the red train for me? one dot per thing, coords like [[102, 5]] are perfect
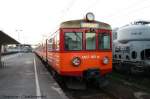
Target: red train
[[80, 48]]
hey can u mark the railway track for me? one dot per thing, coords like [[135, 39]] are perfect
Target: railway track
[[116, 89], [140, 81], [89, 93]]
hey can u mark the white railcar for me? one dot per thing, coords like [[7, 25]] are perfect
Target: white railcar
[[131, 48]]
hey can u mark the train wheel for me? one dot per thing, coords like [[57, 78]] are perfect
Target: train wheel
[[136, 70]]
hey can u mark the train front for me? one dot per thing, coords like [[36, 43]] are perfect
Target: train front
[[86, 49]]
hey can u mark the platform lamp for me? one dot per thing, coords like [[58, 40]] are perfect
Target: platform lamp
[[18, 31]]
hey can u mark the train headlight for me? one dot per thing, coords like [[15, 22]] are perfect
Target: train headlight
[[76, 61], [90, 16], [105, 60]]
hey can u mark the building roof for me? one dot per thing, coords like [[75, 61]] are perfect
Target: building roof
[[85, 24], [6, 39]]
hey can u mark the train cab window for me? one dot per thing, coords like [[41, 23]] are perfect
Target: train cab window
[[73, 41], [104, 41], [90, 41]]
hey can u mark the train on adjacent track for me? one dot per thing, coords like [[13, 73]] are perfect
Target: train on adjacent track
[[80, 49], [131, 47]]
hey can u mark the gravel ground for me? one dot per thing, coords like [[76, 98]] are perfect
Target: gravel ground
[[118, 88]]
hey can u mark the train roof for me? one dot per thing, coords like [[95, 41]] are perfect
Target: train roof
[[85, 24], [137, 23], [140, 25], [142, 22]]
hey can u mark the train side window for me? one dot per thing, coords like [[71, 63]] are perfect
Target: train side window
[[104, 41], [90, 41], [73, 41], [145, 54], [142, 55], [127, 57], [57, 41], [134, 54], [115, 56], [119, 56], [50, 44], [50, 40], [54, 43]]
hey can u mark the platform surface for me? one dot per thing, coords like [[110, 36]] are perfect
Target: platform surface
[[23, 76]]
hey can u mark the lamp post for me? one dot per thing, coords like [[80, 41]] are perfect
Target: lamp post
[[18, 31]]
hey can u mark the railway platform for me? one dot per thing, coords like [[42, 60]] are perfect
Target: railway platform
[[23, 76]]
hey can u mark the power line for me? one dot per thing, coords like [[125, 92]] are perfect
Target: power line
[[68, 8], [118, 12], [92, 5], [64, 11], [130, 11]]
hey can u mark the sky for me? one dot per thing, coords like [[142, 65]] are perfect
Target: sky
[[32, 21]]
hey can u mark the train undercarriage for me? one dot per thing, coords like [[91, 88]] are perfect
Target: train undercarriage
[[137, 67], [91, 77]]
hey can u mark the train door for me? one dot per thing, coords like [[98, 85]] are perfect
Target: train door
[[46, 45]]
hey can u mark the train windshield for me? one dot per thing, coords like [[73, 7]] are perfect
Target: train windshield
[[73, 41], [90, 41], [104, 40]]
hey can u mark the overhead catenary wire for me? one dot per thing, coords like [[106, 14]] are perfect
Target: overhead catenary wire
[[126, 9], [92, 5], [64, 12], [131, 12], [68, 8], [114, 16], [135, 10]]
